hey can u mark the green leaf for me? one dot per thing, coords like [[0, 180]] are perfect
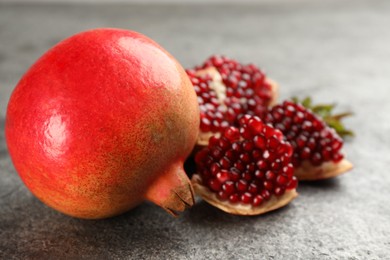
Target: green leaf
[[307, 102]]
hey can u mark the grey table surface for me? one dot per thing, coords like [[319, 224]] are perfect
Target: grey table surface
[[336, 51]]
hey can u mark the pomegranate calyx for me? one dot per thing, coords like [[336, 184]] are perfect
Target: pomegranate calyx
[[309, 172], [239, 208], [172, 191]]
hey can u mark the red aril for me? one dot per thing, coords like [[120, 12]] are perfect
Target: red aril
[[317, 147], [244, 178], [227, 90]]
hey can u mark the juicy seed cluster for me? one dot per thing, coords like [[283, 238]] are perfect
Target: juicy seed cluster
[[214, 116], [247, 92], [248, 164], [311, 139]]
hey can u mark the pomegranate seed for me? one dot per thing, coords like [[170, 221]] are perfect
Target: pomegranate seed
[[279, 191], [276, 165], [247, 146], [256, 155], [266, 155], [259, 142], [222, 195], [257, 200], [225, 162], [214, 184], [245, 157], [293, 183], [243, 120], [337, 157], [232, 134], [231, 155], [236, 147], [336, 144], [268, 132], [245, 133], [316, 159], [265, 194], [273, 143], [268, 185], [305, 153], [262, 165], [224, 144], [229, 187], [242, 185], [215, 168], [288, 170], [201, 156], [310, 138], [259, 174], [246, 176], [282, 180], [252, 188], [246, 198], [269, 176], [278, 135], [301, 141], [327, 153], [234, 198], [244, 167], [234, 174], [251, 167], [256, 126], [217, 153], [213, 141], [239, 165], [222, 176], [307, 126], [298, 118]]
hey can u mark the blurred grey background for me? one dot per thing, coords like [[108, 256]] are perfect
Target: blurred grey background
[[336, 51]]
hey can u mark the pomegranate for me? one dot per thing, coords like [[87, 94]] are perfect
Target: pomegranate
[[317, 147], [247, 170], [102, 122], [226, 90]]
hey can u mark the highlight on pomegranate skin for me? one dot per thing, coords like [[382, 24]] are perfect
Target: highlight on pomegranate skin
[[317, 147], [247, 170], [226, 90]]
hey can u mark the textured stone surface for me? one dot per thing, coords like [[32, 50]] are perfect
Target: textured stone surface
[[335, 51]]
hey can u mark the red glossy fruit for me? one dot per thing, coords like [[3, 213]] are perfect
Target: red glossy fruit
[[246, 171], [227, 90], [102, 122]]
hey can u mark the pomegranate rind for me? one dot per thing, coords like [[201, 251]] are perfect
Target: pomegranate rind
[[274, 90], [274, 203], [219, 88], [309, 172]]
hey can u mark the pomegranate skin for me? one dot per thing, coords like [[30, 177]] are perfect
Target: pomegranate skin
[[101, 122]]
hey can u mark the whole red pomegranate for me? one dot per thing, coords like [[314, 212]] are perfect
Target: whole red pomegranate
[[102, 122]]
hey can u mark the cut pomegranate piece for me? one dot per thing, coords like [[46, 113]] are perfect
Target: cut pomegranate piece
[[246, 170], [317, 147], [227, 90]]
